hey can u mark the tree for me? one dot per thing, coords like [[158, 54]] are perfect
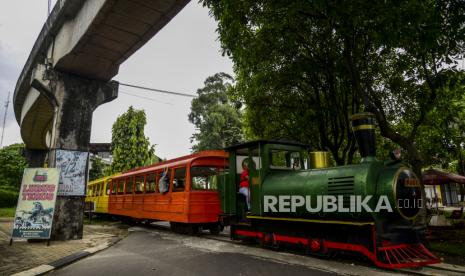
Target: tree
[[130, 147], [288, 76], [401, 58], [12, 165], [98, 169], [308, 65], [216, 118]]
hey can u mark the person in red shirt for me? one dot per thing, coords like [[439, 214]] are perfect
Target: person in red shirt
[[244, 183]]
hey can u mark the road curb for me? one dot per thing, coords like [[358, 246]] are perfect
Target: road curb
[[45, 268], [448, 267]]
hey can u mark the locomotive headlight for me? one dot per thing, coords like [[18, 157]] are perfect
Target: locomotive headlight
[[407, 193]]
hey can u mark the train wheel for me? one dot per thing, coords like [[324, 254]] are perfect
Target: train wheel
[[232, 231], [214, 229], [192, 229], [175, 227]]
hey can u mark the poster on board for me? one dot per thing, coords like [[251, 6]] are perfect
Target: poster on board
[[36, 204], [72, 165]]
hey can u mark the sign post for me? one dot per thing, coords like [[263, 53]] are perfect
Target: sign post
[[36, 204], [73, 167]]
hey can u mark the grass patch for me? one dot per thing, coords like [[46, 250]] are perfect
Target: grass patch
[[447, 243], [448, 247], [8, 198], [7, 212]]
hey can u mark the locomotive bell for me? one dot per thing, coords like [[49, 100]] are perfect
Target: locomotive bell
[[363, 125], [319, 159]]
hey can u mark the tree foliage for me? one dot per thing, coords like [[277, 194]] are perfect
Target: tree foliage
[[130, 147], [12, 165], [216, 119], [304, 66], [97, 169]]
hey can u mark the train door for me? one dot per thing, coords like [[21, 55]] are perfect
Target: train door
[[248, 165], [164, 199], [98, 188], [128, 193], [151, 192], [89, 197], [178, 195], [120, 194], [111, 195], [106, 195], [138, 203]]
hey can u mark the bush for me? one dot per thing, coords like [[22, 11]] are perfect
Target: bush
[[8, 198], [12, 165]]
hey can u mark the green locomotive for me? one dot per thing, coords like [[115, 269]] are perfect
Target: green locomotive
[[366, 208]]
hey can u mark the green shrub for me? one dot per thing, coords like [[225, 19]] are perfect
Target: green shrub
[[12, 165], [9, 188], [8, 198]]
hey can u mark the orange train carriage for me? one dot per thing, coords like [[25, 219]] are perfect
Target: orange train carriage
[[191, 201]]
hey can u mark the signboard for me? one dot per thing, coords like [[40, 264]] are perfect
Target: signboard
[[72, 165], [36, 204]]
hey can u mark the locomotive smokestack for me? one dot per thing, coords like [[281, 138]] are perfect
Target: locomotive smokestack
[[363, 125]]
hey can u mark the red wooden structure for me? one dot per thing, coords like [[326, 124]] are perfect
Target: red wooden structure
[[192, 197]]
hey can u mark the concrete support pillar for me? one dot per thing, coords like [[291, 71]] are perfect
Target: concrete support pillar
[[75, 100], [35, 158]]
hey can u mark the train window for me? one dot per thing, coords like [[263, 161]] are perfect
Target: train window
[[129, 185], [98, 191], [107, 187], [139, 188], [283, 159], [121, 186], [253, 161], [113, 187], [150, 183], [179, 180], [205, 178], [102, 189], [89, 190], [110, 188]]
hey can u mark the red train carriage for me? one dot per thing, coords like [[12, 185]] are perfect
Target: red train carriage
[[191, 201]]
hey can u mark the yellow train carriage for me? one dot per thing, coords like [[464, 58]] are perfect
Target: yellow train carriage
[[97, 192]]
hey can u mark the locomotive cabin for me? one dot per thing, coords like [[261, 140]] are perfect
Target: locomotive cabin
[[265, 156]]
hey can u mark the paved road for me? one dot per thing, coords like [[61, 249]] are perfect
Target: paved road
[[157, 253], [23, 255]]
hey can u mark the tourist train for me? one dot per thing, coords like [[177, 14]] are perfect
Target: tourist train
[[201, 191]]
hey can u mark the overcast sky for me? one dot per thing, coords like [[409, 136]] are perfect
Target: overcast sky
[[179, 58]]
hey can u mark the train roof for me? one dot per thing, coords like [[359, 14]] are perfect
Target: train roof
[[263, 141], [102, 179], [175, 162]]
